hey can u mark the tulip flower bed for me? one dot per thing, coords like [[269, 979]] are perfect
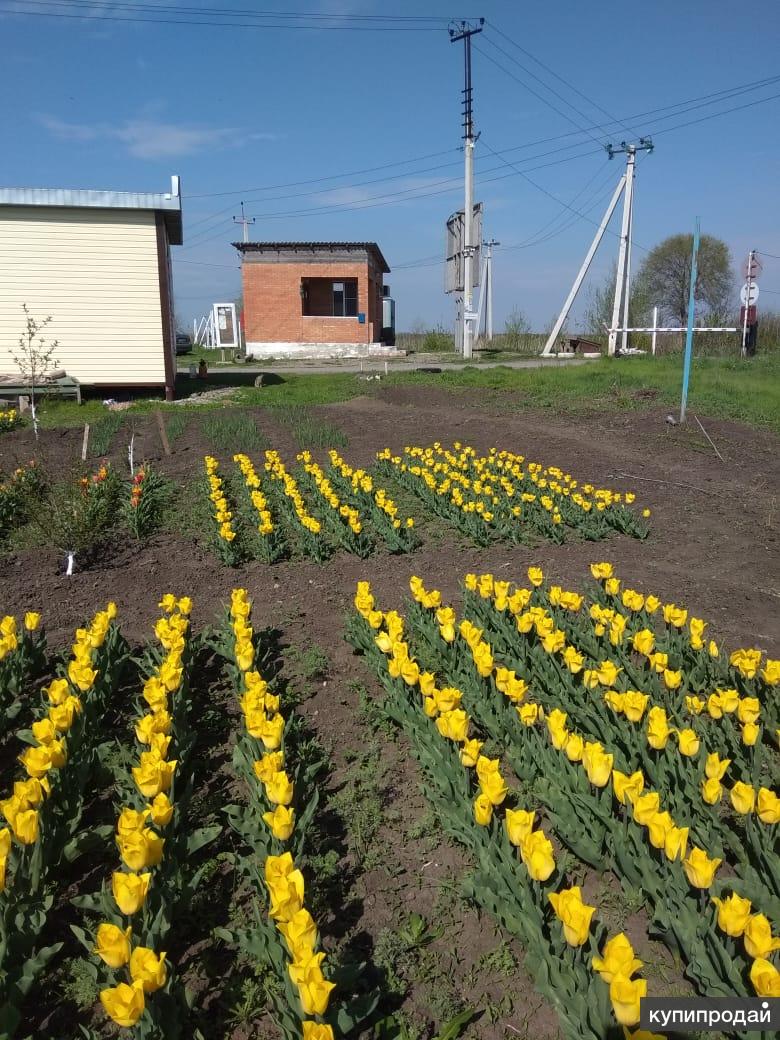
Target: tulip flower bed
[[606, 719], [22, 659], [308, 512], [502, 496], [45, 810], [9, 419]]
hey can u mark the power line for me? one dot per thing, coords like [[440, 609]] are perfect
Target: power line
[[552, 72], [101, 16], [772, 256], [531, 90]]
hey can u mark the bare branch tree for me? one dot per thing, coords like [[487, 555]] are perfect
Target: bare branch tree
[[35, 358]]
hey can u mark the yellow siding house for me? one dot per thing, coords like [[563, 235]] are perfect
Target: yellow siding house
[[99, 263]]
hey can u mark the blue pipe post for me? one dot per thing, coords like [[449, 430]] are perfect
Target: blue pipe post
[[689, 330]]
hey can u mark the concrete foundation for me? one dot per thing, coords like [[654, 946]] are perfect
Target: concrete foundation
[[321, 351]]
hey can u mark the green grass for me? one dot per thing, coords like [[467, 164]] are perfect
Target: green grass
[[175, 424], [747, 391], [308, 430], [232, 431]]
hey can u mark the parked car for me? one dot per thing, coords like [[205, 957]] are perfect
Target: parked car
[[183, 343]]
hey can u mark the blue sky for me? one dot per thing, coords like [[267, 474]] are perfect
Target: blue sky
[[255, 111]]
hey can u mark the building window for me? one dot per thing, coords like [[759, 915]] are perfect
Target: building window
[[324, 297]]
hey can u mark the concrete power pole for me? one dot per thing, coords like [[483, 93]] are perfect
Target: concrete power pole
[[245, 221], [623, 279], [464, 31]]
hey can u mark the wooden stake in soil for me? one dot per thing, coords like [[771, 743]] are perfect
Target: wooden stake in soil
[[163, 432], [85, 443]]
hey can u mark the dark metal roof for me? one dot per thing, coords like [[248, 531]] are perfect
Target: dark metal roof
[[169, 203], [273, 247]]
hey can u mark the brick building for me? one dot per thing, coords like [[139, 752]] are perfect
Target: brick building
[[312, 299]]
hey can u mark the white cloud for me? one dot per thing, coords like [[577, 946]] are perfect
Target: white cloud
[[150, 138]]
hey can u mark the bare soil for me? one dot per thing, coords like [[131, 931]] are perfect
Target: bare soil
[[713, 547]]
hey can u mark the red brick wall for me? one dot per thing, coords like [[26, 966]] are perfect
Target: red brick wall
[[272, 304]]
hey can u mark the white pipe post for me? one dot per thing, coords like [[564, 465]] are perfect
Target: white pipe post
[[552, 338], [655, 330], [621, 266]]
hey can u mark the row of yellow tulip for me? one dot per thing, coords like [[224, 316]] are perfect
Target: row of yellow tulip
[[383, 510], [22, 657], [285, 883], [9, 419], [277, 471], [343, 512], [223, 517], [605, 675], [496, 494], [617, 965], [49, 736], [663, 832], [141, 823], [265, 523]]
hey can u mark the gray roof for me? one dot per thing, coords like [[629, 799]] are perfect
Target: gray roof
[[169, 204], [315, 247]]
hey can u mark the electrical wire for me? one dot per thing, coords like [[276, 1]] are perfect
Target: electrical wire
[[90, 13], [552, 72]]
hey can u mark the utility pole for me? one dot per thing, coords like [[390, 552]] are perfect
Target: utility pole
[[622, 281], [748, 297], [245, 221], [489, 286], [464, 31]]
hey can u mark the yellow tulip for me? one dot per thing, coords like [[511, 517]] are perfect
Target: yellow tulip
[[770, 673], [688, 742], [536, 852], [695, 705], [535, 576], [746, 662], [529, 714], [612, 586], [268, 730], [469, 752], [644, 642], [658, 826], [25, 826], [454, 725], [287, 897], [148, 725], [279, 789], [748, 709], [674, 616], [617, 959], [575, 747], [141, 849], [768, 806], [574, 915], [129, 891], [280, 822], [699, 868], [627, 788], [733, 914], [715, 767], [758, 939], [123, 1004], [153, 775], [573, 660], [519, 824], [314, 990], [62, 715], [300, 933], [492, 785], [743, 798], [598, 765], [625, 995], [658, 729], [148, 968], [711, 791], [483, 809], [31, 791], [112, 945], [37, 761], [765, 978], [645, 807], [317, 1031], [446, 699], [31, 620], [601, 570], [676, 843], [161, 810], [634, 704], [750, 733]]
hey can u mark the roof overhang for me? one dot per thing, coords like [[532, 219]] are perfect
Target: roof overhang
[[317, 252], [169, 204]]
